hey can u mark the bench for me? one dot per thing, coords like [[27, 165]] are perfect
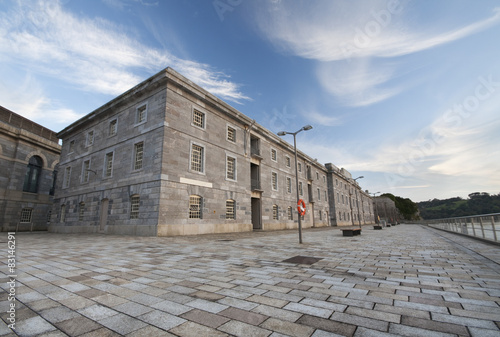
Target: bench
[[377, 227], [351, 231]]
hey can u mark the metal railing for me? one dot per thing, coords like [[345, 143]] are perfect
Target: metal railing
[[484, 226]]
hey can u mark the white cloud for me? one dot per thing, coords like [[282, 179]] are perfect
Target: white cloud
[[95, 54]]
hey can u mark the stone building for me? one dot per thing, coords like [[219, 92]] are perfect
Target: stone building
[[168, 158], [385, 209], [349, 204], [29, 154]]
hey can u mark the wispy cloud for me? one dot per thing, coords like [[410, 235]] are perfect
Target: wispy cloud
[[350, 40], [92, 53]]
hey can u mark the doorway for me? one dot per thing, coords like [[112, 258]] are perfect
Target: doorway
[[103, 218], [256, 214]]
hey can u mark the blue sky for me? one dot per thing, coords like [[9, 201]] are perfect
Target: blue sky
[[405, 93]]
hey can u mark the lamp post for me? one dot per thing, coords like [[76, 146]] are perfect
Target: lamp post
[[283, 133], [352, 213]]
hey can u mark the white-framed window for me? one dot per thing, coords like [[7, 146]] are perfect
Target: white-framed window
[[113, 127], [135, 202], [230, 168], [26, 215], [199, 119], [301, 192], [141, 114], [138, 155], [71, 146], [274, 180], [274, 155], [288, 161], [275, 212], [90, 138], [231, 134], [195, 207], [108, 164], [197, 158], [289, 184], [290, 213], [63, 213], [67, 177], [230, 209], [86, 171], [81, 211]]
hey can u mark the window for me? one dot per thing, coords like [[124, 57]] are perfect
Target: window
[[135, 202], [198, 119], [326, 196], [141, 114], [290, 213], [112, 127], [81, 211], [319, 194], [317, 176], [54, 179], [338, 197], [274, 155], [275, 212], [274, 180], [231, 134], [90, 138], [26, 214], [67, 177], [231, 168], [230, 209], [63, 213], [86, 171], [195, 207], [32, 177], [288, 161], [320, 215], [49, 215], [71, 146], [108, 168], [138, 155], [300, 188], [299, 166], [289, 185], [197, 158]]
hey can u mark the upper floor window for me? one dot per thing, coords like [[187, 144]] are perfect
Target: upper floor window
[[112, 127], [230, 210], [195, 207], [86, 171], [32, 177], [301, 192], [108, 166], [231, 134], [90, 138], [319, 194], [274, 155], [138, 155], [71, 146], [67, 177], [230, 168], [274, 180], [197, 158], [198, 119], [299, 167], [288, 161], [141, 114], [289, 185]]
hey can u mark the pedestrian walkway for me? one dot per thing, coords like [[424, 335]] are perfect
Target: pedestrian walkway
[[406, 280]]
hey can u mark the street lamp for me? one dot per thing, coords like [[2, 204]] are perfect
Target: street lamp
[[350, 193], [283, 133]]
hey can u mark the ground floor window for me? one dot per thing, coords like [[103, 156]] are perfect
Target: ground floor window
[[195, 202], [26, 215], [290, 213], [275, 212], [135, 201], [230, 209]]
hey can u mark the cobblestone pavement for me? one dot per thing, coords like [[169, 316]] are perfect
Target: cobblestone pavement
[[405, 280]]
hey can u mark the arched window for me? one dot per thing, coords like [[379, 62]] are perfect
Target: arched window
[[33, 175]]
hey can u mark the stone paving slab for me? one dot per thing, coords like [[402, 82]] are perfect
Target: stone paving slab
[[406, 280]]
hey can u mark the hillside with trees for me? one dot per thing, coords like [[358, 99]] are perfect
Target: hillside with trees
[[477, 203], [406, 207]]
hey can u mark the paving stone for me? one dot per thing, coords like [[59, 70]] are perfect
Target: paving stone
[[58, 314], [161, 319], [172, 307], [77, 326], [33, 326], [434, 325], [190, 329], [205, 318], [150, 331], [122, 324], [344, 329], [307, 309], [405, 330], [97, 312], [237, 303], [241, 329], [243, 316], [285, 315], [360, 321], [267, 301], [207, 306]]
